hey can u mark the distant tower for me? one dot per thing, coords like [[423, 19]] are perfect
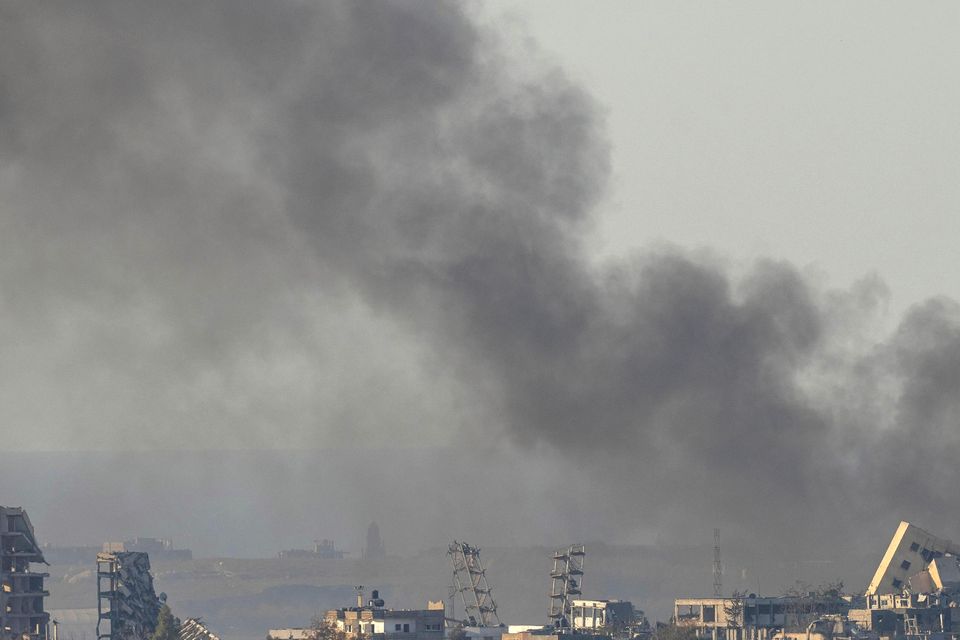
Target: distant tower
[[717, 566], [374, 548]]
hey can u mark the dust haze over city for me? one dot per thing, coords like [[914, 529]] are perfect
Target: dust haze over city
[[274, 271]]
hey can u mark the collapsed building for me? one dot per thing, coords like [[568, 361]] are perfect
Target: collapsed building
[[914, 593], [22, 612], [127, 602], [910, 551]]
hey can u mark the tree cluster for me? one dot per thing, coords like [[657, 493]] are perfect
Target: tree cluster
[[168, 626]]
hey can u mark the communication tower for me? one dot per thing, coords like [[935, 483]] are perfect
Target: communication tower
[[717, 566]]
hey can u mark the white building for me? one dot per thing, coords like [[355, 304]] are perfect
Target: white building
[[598, 614]]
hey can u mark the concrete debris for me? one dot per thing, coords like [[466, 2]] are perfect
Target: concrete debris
[[194, 629], [127, 599]]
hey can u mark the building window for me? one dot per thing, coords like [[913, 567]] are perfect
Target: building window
[[406, 628], [709, 613], [897, 583], [905, 565], [914, 547], [396, 627]]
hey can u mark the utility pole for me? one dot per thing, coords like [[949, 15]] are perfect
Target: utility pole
[[717, 566]]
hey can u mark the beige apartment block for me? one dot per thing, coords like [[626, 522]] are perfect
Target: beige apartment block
[[910, 551]]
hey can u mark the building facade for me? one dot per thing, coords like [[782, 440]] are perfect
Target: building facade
[[752, 617], [379, 623], [22, 612], [591, 615], [910, 551], [908, 614]]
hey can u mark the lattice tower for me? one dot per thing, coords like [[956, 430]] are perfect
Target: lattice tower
[[717, 566], [470, 580]]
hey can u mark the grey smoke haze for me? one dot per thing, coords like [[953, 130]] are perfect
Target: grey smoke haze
[[247, 225]]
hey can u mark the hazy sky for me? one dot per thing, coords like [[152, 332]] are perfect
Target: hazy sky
[[821, 132], [698, 257]]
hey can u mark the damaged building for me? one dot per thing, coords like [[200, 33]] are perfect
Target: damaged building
[[22, 612], [617, 618], [752, 617], [891, 615], [914, 592], [128, 606], [910, 551]]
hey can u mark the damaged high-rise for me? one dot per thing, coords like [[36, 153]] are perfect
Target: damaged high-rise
[[22, 613], [128, 606]]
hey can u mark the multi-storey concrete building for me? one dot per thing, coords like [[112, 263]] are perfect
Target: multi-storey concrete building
[[376, 622], [910, 551], [908, 614], [22, 613], [752, 617], [594, 615]]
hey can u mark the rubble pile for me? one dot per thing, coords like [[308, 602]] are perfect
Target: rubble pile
[[194, 629]]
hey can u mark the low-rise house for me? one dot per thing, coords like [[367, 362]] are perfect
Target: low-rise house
[[376, 622]]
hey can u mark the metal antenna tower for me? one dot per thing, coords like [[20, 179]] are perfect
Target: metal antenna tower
[[566, 581], [471, 581], [717, 566]]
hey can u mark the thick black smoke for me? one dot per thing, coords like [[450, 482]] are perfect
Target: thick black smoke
[[215, 213]]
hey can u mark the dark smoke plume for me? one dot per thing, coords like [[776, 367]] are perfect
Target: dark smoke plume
[[292, 224]]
